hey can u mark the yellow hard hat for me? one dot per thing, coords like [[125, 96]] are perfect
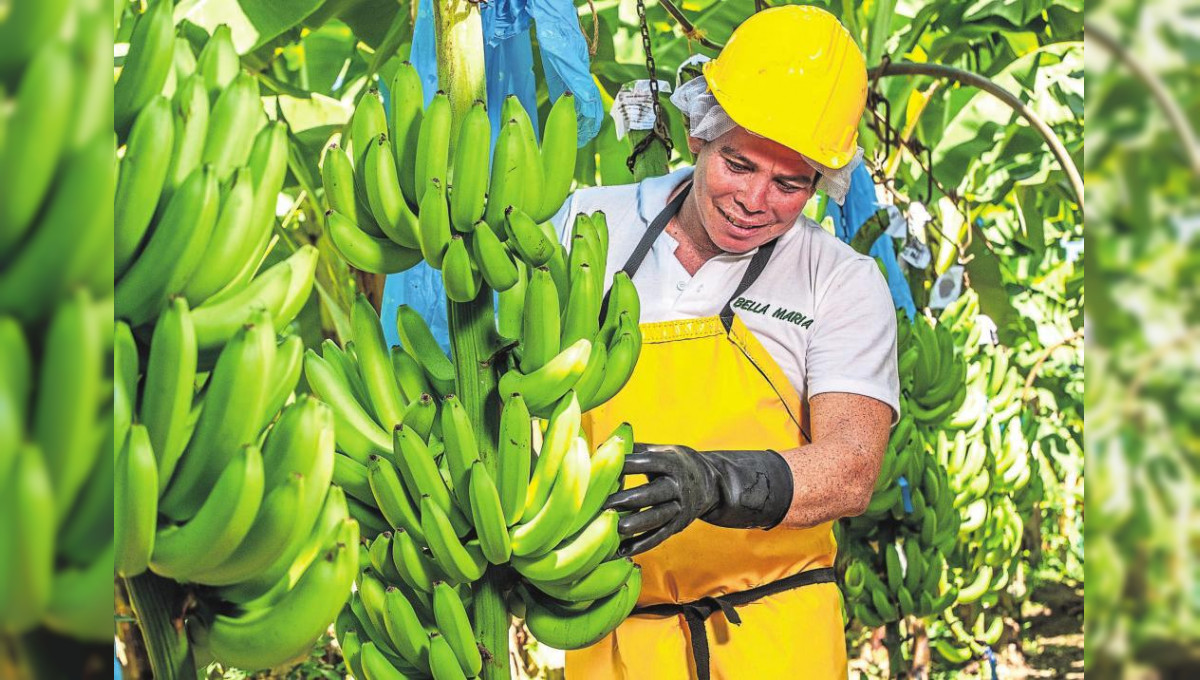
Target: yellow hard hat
[[794, 75]]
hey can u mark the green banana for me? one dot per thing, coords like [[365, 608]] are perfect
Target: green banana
[[411, 378], [488, 516], [540, 332], [274, 529], [577, 556], [173, 252], [68, 397], [391, 498], [337, 177], [143, 175], [218, 61], [532, 182], [232, 417], [218, 527], [582, 318], [384, 197], [27, 560], [230, 237], [455, 626], [560, 436], [147, 64], [407, 113], [495, 263], [560, 145], [527, 238], [232, 126], [416, 568], [266, 638], [510, 307], [420, 344], [404, 629], [461, 277], [576, 630], [601, 582], [421, 474], [358, 435], [136, 503], [545, 386], [169, 382], [507, 174], [462, 447], [608, 461], [351, 475], [366, 252], [459, 563], [190, 110], [26, 28], [379, 554], [514, 457], [622, 358], [433, 230], [285, 374], [433, 145], [443, 663], [469, 191], [366, 124], [550, 523], [622, 298], [375, 364], [593, 376], [320, 524]]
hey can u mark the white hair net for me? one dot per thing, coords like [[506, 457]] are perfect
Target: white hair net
[[707, 120]]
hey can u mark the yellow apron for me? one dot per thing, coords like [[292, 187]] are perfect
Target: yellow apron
[[729, 604]]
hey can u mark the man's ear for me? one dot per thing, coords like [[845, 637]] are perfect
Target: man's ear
[[695, 144]]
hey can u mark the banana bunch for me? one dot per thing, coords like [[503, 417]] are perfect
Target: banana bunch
[[229, 489], [933, 371], [404, 188], [435, 517], [200, 171], [904, 577], [56, 470], [57, 407], [569, 337], [57, 156]]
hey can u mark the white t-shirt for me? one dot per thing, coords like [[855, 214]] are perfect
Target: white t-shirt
[[821, 310]]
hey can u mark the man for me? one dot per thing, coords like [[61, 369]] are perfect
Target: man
[[767, 380]]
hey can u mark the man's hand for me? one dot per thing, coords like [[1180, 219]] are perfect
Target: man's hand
[[737, 489]]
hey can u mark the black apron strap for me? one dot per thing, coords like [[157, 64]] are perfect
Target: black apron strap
[[757, 264], [695, 613]]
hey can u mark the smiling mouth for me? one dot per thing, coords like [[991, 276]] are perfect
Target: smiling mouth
[[737, 224]]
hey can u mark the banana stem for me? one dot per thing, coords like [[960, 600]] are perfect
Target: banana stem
[[652, 162], [472, 329], [156, 601], [459, 31]]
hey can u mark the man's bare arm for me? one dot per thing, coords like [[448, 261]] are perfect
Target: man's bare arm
[[834, 476]]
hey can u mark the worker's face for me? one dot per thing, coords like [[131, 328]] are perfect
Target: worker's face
[[748, 189]]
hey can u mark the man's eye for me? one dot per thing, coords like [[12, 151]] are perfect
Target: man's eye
[[737, 167]]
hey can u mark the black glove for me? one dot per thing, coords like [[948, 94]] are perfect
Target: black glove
[[736, 489]]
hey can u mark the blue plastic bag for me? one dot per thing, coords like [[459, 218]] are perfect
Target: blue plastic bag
[[848, 219]]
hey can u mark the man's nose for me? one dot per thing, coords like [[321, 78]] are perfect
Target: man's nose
[[753, 196]]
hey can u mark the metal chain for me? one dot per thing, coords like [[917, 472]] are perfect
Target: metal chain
[[660, 126]]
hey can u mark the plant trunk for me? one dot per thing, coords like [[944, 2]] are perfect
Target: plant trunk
[[158, 604]]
